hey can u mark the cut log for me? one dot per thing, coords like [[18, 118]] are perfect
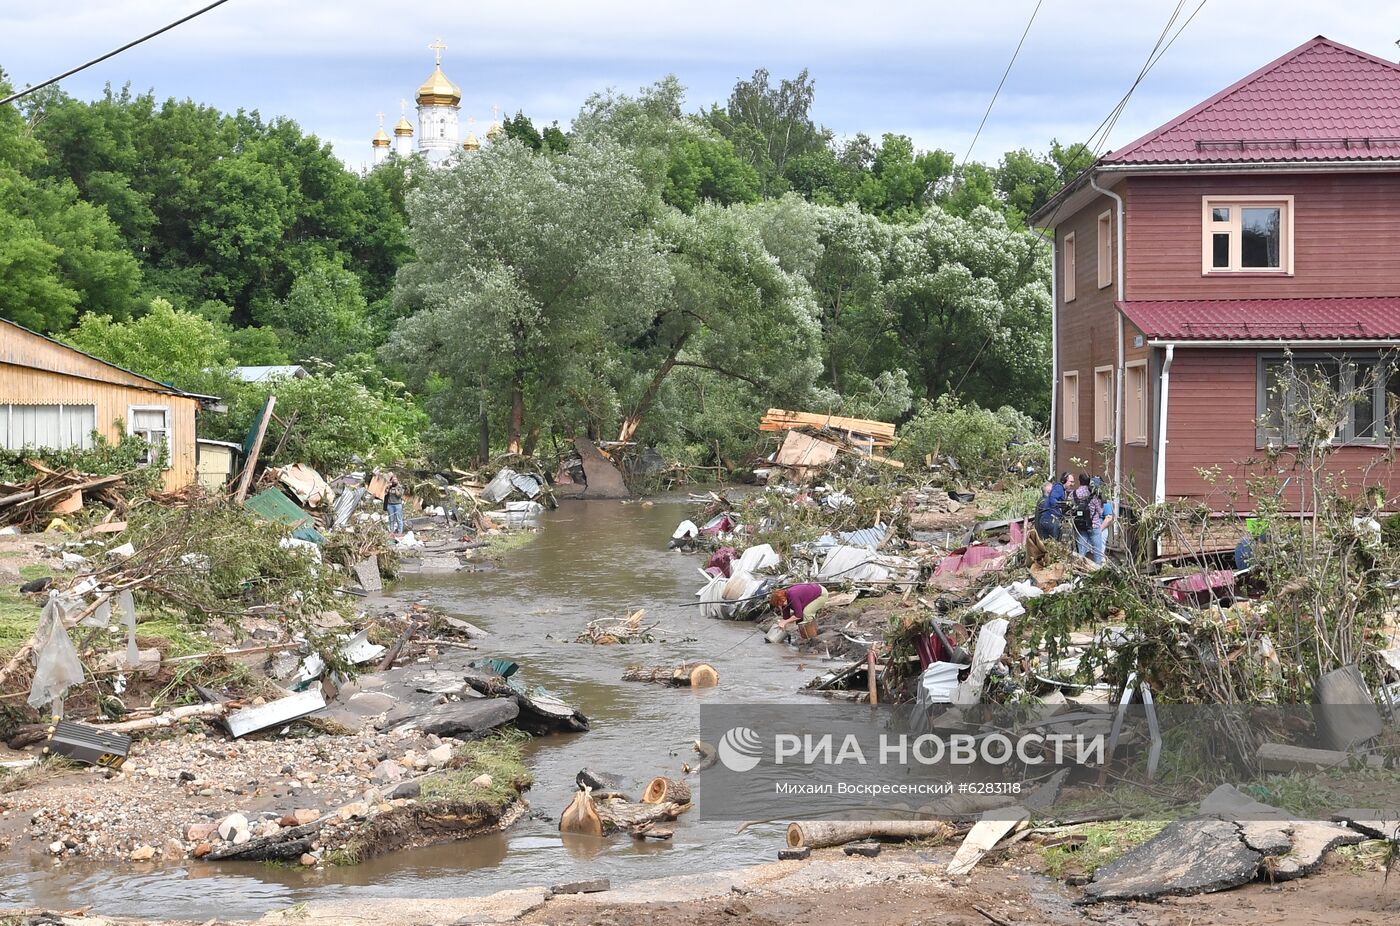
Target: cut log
[[581, 816], [685, 675], [821, 834], [168, 719], [662, 790]]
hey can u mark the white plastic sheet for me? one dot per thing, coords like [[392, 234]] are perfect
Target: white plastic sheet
[[991, 643], [56, 665], [685, 529], [757, 558]]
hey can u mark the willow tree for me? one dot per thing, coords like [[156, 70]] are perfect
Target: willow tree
[[528, 266]]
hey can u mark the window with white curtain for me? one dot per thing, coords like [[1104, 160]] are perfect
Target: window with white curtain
[[151, 423], [50, 427]]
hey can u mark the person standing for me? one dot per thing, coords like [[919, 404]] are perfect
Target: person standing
[[393, 504], [1087, 513]]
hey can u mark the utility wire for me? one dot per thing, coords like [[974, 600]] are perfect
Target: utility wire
[[116, 51], [996, 93], [1106, 126]]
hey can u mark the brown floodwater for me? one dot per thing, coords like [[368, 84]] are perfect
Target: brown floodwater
[[589, 560]]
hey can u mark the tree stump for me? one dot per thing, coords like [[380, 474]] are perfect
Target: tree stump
[[663, 790], [590, 817]]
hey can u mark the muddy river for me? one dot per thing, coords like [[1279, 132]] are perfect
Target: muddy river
[[590, 559]]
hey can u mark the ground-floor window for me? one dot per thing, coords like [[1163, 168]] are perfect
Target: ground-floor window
[[1353, 395], [51, 427], [151, 424]]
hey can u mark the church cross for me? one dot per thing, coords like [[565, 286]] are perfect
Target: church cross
[[438, 48]]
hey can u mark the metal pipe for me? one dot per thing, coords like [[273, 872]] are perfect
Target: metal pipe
[[1118, 373], [1054, 345], [1159, 493]]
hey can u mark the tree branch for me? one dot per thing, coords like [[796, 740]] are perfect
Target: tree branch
[[722, 372]]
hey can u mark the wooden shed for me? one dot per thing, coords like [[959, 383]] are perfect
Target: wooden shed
[[53, 396]]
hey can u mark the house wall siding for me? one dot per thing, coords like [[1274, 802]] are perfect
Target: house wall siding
[[1086, 329], [29, 386], [1346, 237], [1211, 422]]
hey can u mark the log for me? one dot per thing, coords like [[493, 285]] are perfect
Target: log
[[661, 790], [821, 834], [685, 675], [590, 817], [169, 718]]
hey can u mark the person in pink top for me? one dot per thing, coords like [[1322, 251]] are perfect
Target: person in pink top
[[721, 563], [797, 603]]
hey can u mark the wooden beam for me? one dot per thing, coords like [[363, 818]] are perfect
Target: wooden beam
[[249, 464]]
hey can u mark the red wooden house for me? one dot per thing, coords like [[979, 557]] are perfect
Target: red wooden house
[[1263, 220]]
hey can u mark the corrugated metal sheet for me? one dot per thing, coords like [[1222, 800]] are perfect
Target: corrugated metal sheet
[[1360, 318], [273, 505], [1323, 101]]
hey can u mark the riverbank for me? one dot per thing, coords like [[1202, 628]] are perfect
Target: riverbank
[[902, 886]]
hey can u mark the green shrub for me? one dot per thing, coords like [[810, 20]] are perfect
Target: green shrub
[[983, 443]]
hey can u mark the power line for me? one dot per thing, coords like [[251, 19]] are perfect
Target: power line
[[996, 93], [116, 51]]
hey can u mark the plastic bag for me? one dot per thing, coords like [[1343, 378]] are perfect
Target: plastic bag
[[56, 665]]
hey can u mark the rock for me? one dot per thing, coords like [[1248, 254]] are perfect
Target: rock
[[441, 755], [794, 855], [268, 828], [482, 781], [1194, 856], [232, 825], [202, 850], [200, 832], [308, 859], [56, 847], [241, 837], [305, 815], [388, 770], [582, 887], [349, 811], [174, 850], [405, 790], [142, 854], [867, 849]]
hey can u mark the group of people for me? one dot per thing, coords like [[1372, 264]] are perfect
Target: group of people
[[1076, 505]]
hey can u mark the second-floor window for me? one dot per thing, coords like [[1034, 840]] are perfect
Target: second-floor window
[[1247, 234]]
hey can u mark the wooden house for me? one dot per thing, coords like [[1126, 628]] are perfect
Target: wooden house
[[54, 396], [1257, 226]]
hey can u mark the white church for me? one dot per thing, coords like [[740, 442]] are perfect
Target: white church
[[439, 106]]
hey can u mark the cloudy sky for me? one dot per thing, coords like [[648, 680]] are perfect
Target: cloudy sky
[[925, 69]]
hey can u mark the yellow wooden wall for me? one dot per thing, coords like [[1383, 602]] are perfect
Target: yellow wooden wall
[[25, 386]]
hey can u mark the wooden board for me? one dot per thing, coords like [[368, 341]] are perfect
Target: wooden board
[[994, 826], [778, 419]]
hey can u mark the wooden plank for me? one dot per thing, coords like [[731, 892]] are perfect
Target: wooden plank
[[251, 463], [778, 419], [992, 828], [1276, 757]]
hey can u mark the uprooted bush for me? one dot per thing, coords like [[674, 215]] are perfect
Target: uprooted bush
[[984, 444], [210, 561]]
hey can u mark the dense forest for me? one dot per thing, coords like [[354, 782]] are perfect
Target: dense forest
[[650, 273]]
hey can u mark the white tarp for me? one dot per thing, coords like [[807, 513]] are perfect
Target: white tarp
[[854, 564], [991, 643], [756, 558]]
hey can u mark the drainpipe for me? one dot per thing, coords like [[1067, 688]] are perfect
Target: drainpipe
[[1160, 490], [1054, 343], [1118, 374]]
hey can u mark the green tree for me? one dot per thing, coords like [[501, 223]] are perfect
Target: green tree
[[176, 347], [324, 315], [520, 128], [527, 268], [1026, 181], [769, 125]]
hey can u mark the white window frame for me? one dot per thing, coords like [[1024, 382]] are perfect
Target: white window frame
[[1103, 404], [1069, 419], [1105, 256], [131, 429], [1210, 228], [1070, 269], [1136, 402]]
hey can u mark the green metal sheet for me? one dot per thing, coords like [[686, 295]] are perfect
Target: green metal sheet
[[274, 505]]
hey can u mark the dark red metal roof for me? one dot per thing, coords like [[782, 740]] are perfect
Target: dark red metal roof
[[1323, 101], [1310, 319]]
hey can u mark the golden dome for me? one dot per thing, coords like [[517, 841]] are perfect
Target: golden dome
[[381, 138], [495, 132], [437, 89], [471, 144], [403, 128]]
